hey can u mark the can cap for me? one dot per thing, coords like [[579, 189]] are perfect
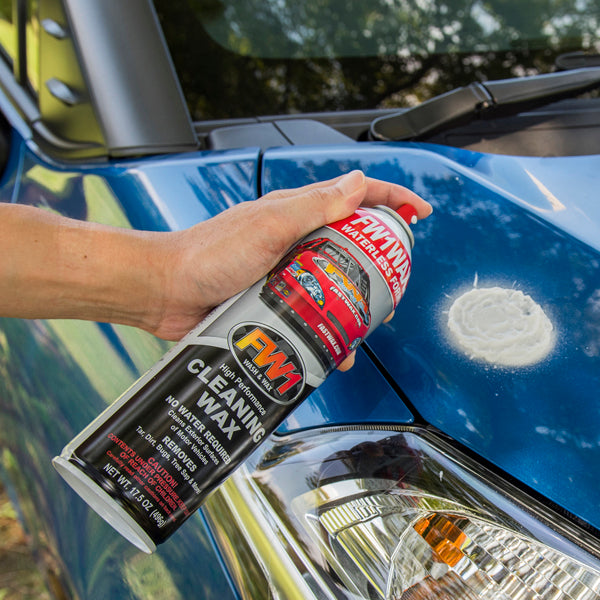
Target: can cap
[[408, 213], [104, 504]]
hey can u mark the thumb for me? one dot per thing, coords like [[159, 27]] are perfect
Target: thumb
[[312, 206], [349, 191]]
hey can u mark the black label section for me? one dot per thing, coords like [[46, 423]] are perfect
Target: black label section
[[179, 436]]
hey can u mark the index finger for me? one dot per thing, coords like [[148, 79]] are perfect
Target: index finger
[[394, 196]]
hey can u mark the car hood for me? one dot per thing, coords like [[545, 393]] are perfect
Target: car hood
[[516, 223]]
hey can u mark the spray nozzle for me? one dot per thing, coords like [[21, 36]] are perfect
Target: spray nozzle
[[408, 213]]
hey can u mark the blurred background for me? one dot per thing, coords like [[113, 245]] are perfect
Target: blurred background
[[20, 578]]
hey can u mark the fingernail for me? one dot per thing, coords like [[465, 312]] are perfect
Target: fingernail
[[351, 181]]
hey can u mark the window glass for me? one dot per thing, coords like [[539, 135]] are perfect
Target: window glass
[[332, 251], [243, 58]]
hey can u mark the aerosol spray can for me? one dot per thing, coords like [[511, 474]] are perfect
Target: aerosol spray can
[[151, 458]]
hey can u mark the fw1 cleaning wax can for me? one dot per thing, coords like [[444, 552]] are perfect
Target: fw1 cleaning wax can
[[151, 458]]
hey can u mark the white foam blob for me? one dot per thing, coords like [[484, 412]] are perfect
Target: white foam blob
[[502, 326]]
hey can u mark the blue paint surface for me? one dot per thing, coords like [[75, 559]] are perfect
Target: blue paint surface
[[532, 224], [56, 377]]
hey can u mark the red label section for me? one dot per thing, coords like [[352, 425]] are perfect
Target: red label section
[[387, 252]]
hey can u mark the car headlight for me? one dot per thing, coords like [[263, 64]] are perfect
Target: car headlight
[[394, 515]]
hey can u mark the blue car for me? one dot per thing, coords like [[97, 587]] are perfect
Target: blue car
[[460, 457]]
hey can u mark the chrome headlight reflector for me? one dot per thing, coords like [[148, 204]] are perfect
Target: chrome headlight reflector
[[392, 515]]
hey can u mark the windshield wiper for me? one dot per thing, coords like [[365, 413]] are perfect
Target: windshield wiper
[[576, 60], [507, 96]]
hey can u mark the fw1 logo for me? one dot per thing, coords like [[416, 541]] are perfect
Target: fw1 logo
[[270, 360]]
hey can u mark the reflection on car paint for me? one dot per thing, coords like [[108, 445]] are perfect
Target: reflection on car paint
[[482, 224], [59, 374]]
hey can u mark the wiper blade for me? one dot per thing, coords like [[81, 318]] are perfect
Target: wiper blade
[[477, 99], [576, 60]]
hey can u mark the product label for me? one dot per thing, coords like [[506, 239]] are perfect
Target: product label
[[387, 252], [182, 433], [322, 291], [269, 360]]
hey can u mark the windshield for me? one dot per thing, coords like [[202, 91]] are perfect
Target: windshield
[[246, 58]]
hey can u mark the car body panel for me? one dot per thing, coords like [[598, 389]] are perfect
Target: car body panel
[[506, 221], [522, 421], [59, 375]]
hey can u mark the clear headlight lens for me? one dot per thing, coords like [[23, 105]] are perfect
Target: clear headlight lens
[[394, 516]]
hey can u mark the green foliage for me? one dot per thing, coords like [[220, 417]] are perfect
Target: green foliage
[[242, 58]]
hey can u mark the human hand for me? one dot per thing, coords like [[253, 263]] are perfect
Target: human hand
[[166, 282], [212, 261]]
